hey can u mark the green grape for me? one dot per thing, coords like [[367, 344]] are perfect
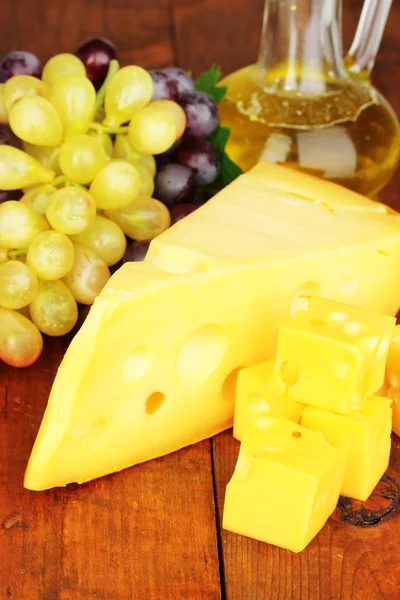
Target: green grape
[[18, 284], [104, 140], [88, 275], [144, 219], [50, 255], [123, 149], [37, 197], [19, 225], [115, 186], [3, 255], [35, 120], [61, 65], [176, 112], [19, 170], [70, 210], [21, 342], [74, 99], [81, 158], [104, 238], [3, 110], [130, 89], [46, 155], [22, 85], [146, 181], [152, 131], [54, 310]]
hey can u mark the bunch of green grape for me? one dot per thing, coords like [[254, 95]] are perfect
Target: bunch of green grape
[[86, 169]]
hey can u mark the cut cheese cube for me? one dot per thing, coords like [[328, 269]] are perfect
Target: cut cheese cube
[[261, 392], [285, 486], [367, 432], [154, 366], [333, 355]]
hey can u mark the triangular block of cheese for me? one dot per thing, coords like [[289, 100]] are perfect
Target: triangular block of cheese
[[154, 366]]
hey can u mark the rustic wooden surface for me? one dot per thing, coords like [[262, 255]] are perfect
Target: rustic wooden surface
[[153, 532]]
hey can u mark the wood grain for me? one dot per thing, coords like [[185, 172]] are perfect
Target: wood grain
[[152, 532]]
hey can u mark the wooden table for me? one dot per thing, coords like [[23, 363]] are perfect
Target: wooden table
[[153, 532]]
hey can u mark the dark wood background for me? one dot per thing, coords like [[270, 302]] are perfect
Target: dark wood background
[[153, 532]]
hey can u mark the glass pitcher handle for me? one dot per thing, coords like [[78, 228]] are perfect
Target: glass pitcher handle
[[365, 46]]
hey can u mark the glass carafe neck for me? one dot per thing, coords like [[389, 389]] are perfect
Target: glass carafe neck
[[301, 46]]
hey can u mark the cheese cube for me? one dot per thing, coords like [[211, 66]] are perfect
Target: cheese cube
[[367, 432], [261, 392], [333, 355], [285, 486]]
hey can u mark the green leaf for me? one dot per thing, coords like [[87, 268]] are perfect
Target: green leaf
[[207, 82], [229, 170]]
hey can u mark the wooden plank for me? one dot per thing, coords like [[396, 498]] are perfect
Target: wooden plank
[[226, 33], [147, 533]]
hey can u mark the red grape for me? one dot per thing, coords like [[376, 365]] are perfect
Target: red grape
[[10, 195], [96, 54], [8, 137], [180, 211], [201, 113], [179, 80], [136, 251], [174, 183], [200, 156], [163, 90], [19, 62]]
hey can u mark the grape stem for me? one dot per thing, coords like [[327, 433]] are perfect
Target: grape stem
[[100, 128], [113, 67], [13, 254], [59, 180]]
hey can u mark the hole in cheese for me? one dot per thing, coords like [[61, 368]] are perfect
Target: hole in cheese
[[154, 402], [296, 434], [137, 364], [352, 328], [258, 404], [339, 317], [349, 285], [383, 252], [201, 354], [341, 367], [289, 373], [229, 385], [310, 288], [179, 261], [321, 321]]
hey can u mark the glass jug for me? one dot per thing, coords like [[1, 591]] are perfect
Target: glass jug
[[305, 106]]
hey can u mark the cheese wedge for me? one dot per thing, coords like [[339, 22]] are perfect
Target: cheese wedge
[[154, 366]]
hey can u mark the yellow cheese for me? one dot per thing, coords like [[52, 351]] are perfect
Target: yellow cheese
[[260, 392], [333, 355], [154, 366], [285, 486], [392, 380], [367, 432]]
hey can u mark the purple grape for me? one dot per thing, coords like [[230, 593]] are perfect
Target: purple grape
[[10, 195], [201, 157], [179, 80], [163, 89], [8, 137], [180, 211], [174, 184], [19, 62], [136, 251], [201, 113], [96, 53]]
